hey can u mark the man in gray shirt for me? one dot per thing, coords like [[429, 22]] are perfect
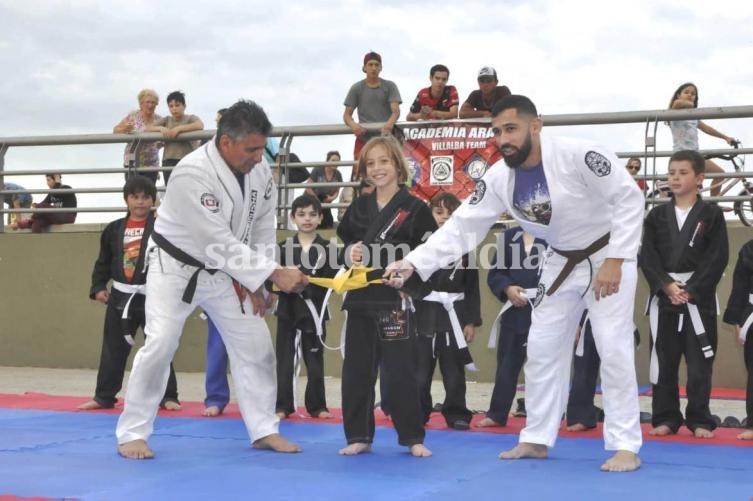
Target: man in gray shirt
[[376, 99]]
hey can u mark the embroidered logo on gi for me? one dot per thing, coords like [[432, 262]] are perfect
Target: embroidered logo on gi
[[540, 291], [210, 202], [479, 193], [598, 163], [268, 190], [441, 170]]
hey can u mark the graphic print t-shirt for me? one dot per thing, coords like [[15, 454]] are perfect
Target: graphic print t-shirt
[[531, 195], [132, 236]]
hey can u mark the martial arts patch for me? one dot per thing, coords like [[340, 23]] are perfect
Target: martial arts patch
[[210, 202], [441, 173], [540, 291], [268, 190], [598, 163], [393, 325], [479, 193], [476, 167]]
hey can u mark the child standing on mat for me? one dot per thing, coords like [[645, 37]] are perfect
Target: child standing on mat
[[121, 259], [683, 256], [296, 325]]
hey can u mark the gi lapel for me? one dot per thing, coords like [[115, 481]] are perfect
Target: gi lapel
[[389, 219], [229, 183], [681, 238]]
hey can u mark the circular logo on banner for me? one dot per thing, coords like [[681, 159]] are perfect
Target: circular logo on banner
[[476, 168], [210, 202], [479, 193], [598, 163], [441, 170]]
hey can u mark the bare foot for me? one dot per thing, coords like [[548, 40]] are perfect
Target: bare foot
[[91, 405], [324, 415], [281, 415], [622, 461], [525, 450], [661, 431], [577, 427], [135, 449], [171, 405], [276, 442], [746, 435], [212, 411], [487, 422], [703, 433], [355, 449], [419, 451]]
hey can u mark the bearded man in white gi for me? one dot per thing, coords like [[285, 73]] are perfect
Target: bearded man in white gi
[[213, 243], [575, 195]]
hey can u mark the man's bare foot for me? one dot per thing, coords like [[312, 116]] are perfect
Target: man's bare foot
[[324, 415], [136, 449], [281, 415], [419, 451], [278, 443], [355, 449], [487, 422], [577, 427], [661, 431], [91, 405], [171, 405], [746, 435], [526, 450], [703, 433], [212, 411], [622, 461]]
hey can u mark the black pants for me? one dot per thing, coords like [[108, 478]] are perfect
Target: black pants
[[511, 354], [748, 351], [670, 347], [363, 350], [580, 404], [169, 162], [313, 357], [445, 350], [115, 351]]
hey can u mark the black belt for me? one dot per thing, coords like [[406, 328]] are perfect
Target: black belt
[[181, 256], [573, 258]]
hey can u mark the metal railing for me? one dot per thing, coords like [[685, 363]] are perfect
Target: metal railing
[[287, 134]]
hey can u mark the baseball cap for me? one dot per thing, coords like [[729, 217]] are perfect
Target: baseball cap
[[487, 71], [371, 56]]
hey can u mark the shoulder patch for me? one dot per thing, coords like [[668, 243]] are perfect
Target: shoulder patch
[[479, 193], [598, 163], [210, 202], [268, 189]]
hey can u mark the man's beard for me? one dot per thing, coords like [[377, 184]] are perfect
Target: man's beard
[[516, 159]]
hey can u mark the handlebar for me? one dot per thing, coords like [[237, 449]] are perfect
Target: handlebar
[[736, 144]]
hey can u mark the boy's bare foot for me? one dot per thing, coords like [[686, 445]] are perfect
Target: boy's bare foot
[[622, 461], [136, 449], [703, 433], [419, 451], [171, 405], [577, 427], [212, 411], [526, 450], [661, 431], [355, 449], [746, 435], [91, 405], [278, 443], [324, 415], [281, 415], [487, 422]]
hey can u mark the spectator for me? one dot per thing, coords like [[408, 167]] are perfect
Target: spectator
[[326, 195], [481, 101], [15, 201], [376, 99], [439, 101], [634, 167], [41, 220], [170, 127], [138, 121], [348, 194]]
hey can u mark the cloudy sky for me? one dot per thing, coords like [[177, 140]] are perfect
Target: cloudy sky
[[75, 67]]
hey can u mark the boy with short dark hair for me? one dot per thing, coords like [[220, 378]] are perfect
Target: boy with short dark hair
[[683, 256], [297, 328], [121, 258]]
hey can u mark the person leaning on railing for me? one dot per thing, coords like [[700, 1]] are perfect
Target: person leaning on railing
[[138, 121]]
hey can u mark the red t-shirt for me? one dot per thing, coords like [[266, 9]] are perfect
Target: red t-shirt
[[134, 232], [447, 100]]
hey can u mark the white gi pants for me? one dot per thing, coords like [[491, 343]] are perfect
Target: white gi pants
[[550, 353], [246, 336]]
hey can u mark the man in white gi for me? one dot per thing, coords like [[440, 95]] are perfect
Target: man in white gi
[[577, 196], [213, 243]]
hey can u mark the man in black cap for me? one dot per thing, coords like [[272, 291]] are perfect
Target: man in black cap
[[481, 101]]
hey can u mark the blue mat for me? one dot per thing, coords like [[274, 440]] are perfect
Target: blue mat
[[72, 455]]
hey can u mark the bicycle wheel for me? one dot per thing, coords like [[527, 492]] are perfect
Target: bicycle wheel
[[744, 209]]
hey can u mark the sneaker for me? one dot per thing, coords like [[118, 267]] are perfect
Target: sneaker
[[645, 417], [731, 422], [521, 409], [461, 424]]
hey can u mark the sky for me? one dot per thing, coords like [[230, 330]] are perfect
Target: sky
[[75, 67]]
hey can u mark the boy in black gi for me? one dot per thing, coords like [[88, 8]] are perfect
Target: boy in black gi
[[295, 324], [683, 256], [121, 259]]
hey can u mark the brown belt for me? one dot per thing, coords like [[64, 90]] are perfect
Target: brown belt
[[573, 258]]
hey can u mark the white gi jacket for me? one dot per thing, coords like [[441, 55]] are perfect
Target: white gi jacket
[[591, 193], [205, 214]]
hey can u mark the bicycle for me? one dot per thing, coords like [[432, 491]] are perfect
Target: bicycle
[[742, 208]]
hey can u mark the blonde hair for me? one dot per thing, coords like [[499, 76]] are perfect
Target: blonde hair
[[147, 93], [395, 153]]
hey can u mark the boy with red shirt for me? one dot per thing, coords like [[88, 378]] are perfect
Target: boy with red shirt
[[438, 102]]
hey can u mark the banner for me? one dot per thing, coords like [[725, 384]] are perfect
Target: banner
[[448, 156]]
